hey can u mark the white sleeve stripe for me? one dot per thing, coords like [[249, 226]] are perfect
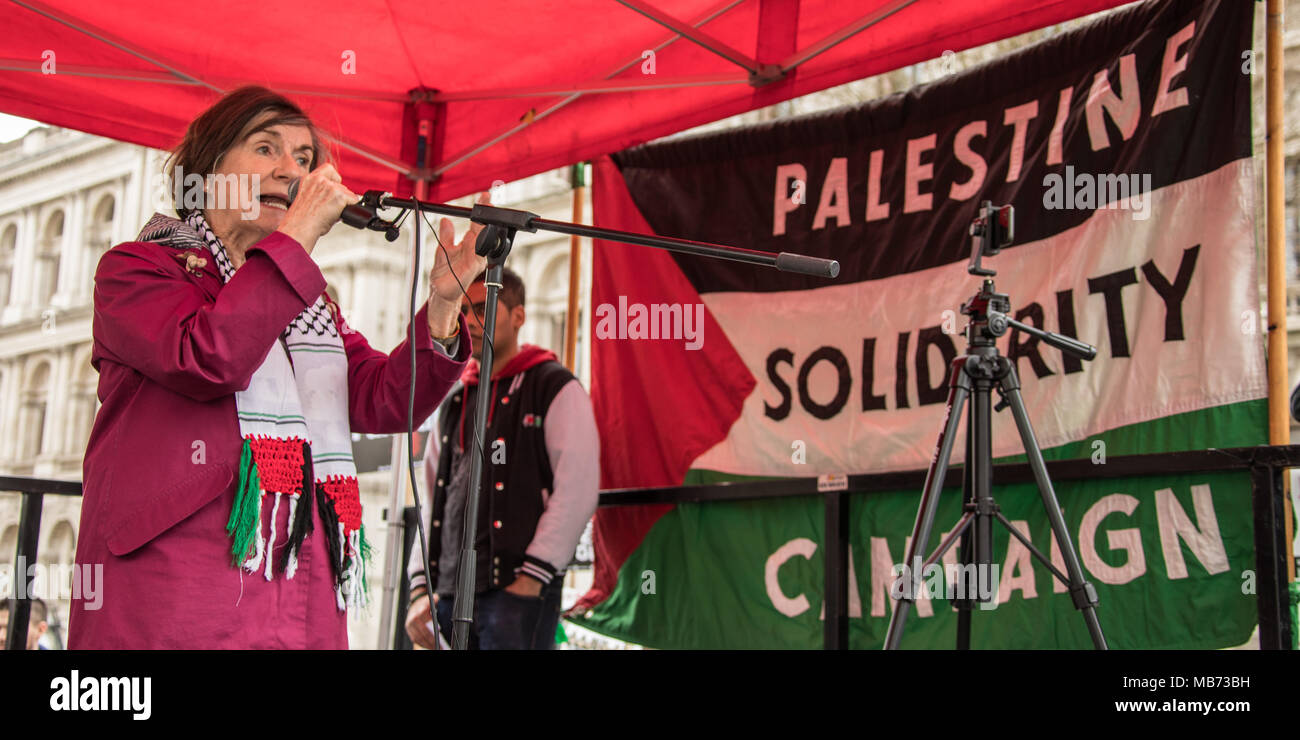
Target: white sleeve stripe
[[573, 447], [536, 572]]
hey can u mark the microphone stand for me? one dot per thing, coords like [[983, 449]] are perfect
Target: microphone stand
[[495, 242]]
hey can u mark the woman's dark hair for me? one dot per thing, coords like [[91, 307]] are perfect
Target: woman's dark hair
[[229, 121]]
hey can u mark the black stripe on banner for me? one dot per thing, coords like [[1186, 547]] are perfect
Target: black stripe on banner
[[724, 187]]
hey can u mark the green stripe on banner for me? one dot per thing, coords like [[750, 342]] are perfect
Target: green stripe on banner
[[1161, 550]]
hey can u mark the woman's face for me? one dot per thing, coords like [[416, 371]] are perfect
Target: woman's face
[[249, 195]]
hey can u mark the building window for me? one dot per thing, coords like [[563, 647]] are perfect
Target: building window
[[8, 247], [1292, 170], [548, 302], [8, 544], [557, 333], [60, 549], [4, 453], [83, 403], [99, 235], [36, 397], [47, 259]]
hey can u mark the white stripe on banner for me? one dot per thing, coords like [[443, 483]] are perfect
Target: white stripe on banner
[[1220, 361]]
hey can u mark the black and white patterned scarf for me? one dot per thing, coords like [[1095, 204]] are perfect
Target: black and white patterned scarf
[[293, 419]]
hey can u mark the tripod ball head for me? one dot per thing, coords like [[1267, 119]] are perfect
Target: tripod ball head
[[997, 324]]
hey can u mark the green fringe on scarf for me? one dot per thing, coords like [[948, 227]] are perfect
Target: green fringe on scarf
[[246, 514], [366, 554]]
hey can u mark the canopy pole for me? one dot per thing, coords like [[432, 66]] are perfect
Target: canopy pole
[[578, 176], [1279, 417], [427, 121], [398, 496]]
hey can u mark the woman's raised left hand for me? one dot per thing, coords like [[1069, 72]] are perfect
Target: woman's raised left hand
[[463, 261], [456, 265]]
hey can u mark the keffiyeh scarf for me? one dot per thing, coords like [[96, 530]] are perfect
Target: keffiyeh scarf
[[293, 418]]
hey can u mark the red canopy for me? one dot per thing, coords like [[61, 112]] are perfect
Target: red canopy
[[508, 89]]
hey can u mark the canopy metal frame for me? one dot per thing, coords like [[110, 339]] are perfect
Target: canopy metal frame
[[756, 73]]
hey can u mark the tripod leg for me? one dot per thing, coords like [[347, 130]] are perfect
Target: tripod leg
[[981, 465], [907, 584], [963, 604], [1082, 592], [979, 503]]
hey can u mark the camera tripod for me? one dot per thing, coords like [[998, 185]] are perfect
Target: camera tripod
[[973, 377]]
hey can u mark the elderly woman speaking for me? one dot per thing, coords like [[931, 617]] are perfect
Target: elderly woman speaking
[[220, 492]]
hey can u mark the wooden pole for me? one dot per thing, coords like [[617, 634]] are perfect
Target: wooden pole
[[1279, 417], [578, 178]]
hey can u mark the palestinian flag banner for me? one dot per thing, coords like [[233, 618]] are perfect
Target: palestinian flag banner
[[1125, 147]]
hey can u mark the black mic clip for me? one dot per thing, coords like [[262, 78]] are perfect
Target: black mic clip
[[362, 215], [500, 226]]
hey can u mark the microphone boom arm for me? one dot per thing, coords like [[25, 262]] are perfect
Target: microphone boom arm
[[515, 220]]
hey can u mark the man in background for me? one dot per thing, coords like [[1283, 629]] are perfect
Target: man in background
[[540, 487], [36, 624]]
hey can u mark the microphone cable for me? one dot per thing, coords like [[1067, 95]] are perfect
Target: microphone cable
[[410, 407]]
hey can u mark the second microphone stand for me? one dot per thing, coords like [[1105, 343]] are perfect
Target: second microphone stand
[[973, 377]]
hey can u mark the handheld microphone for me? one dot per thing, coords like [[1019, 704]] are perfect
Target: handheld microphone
[[357, 215]]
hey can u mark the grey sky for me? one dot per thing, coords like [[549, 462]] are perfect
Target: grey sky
[[12, 127]]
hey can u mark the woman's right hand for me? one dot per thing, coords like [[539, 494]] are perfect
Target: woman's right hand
[[321, 198], [418, 618]]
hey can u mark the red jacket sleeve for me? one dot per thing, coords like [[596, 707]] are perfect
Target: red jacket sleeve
[[151, 317], [379, 384]]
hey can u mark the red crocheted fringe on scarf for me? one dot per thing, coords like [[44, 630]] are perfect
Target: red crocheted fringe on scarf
[[269, 468], [279, 463], [346, 497]]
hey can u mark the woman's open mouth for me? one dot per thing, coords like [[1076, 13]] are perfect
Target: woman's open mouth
[[274, 201]]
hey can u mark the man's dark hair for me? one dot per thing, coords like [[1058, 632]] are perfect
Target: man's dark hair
[[228, 122], [40, 613], [512, 287]]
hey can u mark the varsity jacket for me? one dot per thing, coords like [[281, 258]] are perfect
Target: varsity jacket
[[543, 474]]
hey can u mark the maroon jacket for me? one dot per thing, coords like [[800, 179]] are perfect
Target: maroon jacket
[[172, 347]]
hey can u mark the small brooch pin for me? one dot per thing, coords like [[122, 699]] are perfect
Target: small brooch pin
[[194, 264]]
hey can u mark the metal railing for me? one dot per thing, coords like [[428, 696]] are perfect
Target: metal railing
[[34, 491], [1265, 464]]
